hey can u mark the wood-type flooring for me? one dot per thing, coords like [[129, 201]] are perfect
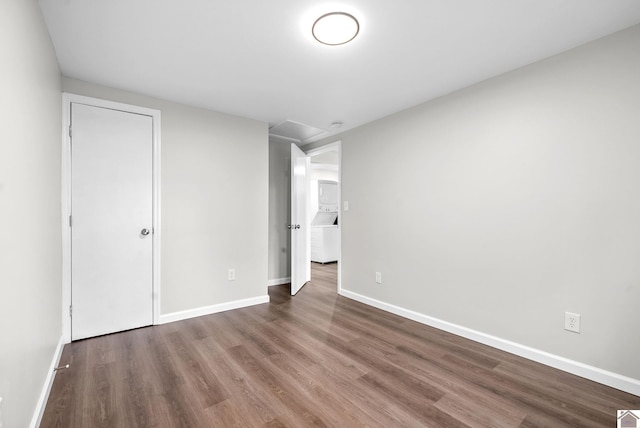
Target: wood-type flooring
[[315, 359]]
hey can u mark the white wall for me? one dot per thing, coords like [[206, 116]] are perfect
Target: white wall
[[279, 210], [30, 228], [323, 172], [509, 203], [214, 186]]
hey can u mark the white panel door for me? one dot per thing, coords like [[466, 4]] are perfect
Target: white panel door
[[300, 224], [112, 220]]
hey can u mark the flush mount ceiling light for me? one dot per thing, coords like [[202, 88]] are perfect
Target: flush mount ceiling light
[[335, 28]]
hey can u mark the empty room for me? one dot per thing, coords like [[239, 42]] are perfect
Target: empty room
[[290, 213]]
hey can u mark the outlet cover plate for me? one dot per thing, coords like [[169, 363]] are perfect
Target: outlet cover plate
[[572, 322]]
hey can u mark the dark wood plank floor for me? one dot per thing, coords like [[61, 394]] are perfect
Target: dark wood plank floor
[[316, 359]]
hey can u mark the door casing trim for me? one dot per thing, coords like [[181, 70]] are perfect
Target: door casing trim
[[67, 100]]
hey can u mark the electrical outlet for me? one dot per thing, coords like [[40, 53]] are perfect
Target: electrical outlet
[[378, 278], [231, 275], [572, 322]]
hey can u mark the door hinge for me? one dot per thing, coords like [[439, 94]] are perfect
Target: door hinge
[[69, 221], [69, 131], [70, 310]]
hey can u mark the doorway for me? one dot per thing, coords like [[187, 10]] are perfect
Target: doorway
[[111, 217], [326, 223]]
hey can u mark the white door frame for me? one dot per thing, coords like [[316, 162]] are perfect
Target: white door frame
[[67, 100], [335, 146]]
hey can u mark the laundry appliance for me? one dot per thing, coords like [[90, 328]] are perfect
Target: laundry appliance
[[324, 226]]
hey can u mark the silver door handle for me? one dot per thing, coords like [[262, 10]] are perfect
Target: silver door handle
[[144, 232]]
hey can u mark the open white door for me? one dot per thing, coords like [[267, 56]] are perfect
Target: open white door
[[112, 221], [300, 230]]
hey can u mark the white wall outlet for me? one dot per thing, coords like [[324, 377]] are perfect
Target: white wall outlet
[[572, 322], [345, 206], [378, 278], [231, 275]]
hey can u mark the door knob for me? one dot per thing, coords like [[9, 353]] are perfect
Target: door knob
[[144, 232]]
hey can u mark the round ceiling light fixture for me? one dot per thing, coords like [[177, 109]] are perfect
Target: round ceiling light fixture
[[335, 28]]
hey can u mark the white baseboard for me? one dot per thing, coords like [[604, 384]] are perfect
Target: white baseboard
[[279, 281], [207, 310], [46, 388], [614, 380]]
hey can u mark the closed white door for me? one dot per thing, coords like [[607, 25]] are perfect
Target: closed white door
[[300, 224], [112, 220]]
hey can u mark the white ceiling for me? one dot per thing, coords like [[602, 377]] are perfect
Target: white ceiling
[[257, 59]]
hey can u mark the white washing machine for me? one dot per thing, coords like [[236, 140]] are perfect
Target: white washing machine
[[324, 226]]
